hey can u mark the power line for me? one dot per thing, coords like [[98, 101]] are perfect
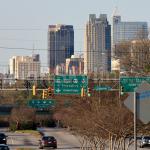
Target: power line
[[32, 29], [89, 51], [31, 49], [24, 40]]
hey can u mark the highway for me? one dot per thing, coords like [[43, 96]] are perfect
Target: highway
[[21, 140], [65, 140]]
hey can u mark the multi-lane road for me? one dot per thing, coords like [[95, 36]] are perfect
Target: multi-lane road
[[21, 140], [65, 140]]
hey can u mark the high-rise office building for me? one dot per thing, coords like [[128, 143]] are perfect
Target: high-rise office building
[[97, 50], [23, 67], [60, 45], [127, 31]]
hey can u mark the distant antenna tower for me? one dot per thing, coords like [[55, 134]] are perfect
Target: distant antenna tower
[[33, 50], [116, 12]]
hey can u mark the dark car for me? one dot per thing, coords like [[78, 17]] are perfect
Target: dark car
[[145, 141], [132, 138], [47, 141], [3, 138], [4, 147]]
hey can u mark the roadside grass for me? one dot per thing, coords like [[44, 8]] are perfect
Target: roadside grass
[[32, 132]]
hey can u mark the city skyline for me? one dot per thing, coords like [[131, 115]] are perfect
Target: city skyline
[[24, 24]]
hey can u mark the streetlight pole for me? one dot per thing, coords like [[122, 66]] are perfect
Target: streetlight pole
[[99, 92], [119, 101], [16, 84], [135, 120]]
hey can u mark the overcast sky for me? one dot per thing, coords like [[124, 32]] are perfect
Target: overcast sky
[[24, 23]]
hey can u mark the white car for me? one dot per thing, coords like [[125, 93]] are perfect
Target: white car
[[145, 141]]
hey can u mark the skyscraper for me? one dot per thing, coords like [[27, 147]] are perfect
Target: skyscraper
[[97, 50], [60, 45], [127, 31]]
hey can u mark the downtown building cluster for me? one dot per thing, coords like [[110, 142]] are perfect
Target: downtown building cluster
[[100, 42], [99, 55]]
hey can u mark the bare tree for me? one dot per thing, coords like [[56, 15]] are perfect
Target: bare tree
[[99, 123], [22, 115], [134, 56]]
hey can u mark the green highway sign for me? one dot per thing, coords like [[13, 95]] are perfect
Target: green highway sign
[[4, 113], [102, 88], [129, 84], [42, 103], [70, 84]]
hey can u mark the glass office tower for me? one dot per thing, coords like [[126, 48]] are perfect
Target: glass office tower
[[60, 45], [127, 31]]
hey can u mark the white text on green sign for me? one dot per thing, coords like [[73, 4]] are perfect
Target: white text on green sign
[[129, 84], [70, 84]]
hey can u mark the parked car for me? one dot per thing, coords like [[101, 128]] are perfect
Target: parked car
[[47, 141], [145, 141], [3, 138], [4, 147]]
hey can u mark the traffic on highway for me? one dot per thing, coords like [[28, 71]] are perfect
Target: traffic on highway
[[53, 138]]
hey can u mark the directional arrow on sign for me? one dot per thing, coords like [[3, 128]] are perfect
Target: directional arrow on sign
[[58, 90], [41, 103]]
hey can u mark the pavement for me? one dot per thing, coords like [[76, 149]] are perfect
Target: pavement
[[65, 140], [21, 140]]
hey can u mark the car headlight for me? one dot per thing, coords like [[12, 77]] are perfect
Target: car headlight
[[144, 142], [4, 139]]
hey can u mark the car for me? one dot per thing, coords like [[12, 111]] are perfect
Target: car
[[132, 138], [145, 141], [47, 141], [3, 138], [4, 147]]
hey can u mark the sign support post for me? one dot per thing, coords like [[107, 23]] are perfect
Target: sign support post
[[139, 101]]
